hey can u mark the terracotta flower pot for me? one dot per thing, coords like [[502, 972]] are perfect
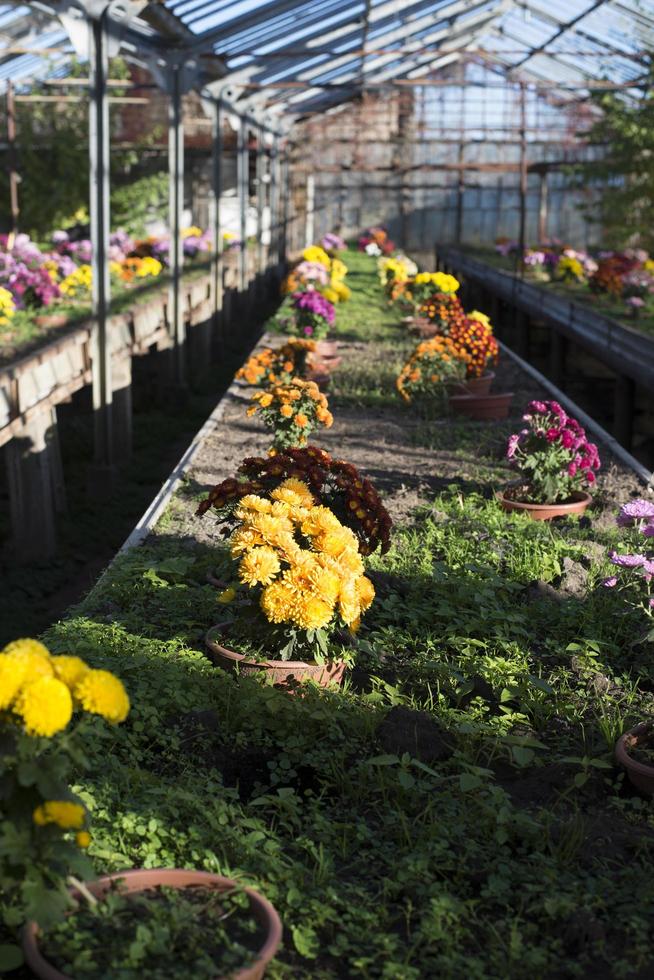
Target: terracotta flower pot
[[140, 881], [545, 512], [640, 774], [51, 320], [280, 672], [482, 407], [472, 386], [326, 348]]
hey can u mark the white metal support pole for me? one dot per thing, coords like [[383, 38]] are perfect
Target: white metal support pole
[[261, 199], [99, 211], [217, 186], [273, 248], [310, 212], [285, 192], [175, 208], [243, 182]]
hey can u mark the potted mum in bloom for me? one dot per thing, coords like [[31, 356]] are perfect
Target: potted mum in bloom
[[277, 365], [436, 306], [633, 577], [300, 575], [78, 928], [431, 367], [333, 483], [45, 706], [292, 411], [311, 318], [555, 462]]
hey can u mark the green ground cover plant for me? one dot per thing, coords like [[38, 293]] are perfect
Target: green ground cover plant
[[453, 811]]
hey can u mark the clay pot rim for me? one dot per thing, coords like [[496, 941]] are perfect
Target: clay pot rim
[[260, 907], [639, 733], [241, 658], [496, 397], [581, 497]]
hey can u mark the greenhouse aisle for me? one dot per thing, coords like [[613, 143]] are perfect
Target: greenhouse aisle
[[453, 810]]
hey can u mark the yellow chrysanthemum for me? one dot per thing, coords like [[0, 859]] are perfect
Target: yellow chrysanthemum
[[320, 519], [244, 538], [64, 813], [348, 603], [314, 253], [326, 584], [480, 318], [277, 602], [45, 706], [83, 839], [365, 592], [254, 503], [290, 497], [69, 669], [11, 678], [100, 693], [330, 294], [259, 566], [312, 613], [27, 646], [300, 488], [270, 528], [338, 269]]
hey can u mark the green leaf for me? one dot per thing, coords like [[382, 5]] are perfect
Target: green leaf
[[11, 957], [469, 781], [306, 941], [383, 760]]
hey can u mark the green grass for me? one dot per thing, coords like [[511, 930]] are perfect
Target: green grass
[[520, 854]]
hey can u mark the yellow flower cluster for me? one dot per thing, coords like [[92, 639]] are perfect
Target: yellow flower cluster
[[336, 291], [77, 282], [440, 281], [392, 270], [284, 400], [432, 364], [481, 318], [66, 815], [314, 253], [304, 586], [7, 306], [274, 365], [43, 690], [137, 268], [192, 232], [569, 268]]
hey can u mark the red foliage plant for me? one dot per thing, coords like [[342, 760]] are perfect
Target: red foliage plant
[[334, 484]]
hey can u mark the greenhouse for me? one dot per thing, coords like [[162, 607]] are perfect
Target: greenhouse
[[326, 451]]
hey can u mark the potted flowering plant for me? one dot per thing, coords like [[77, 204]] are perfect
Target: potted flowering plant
[[333, 483], [438, 314], [277, 365], [312, 316], [331, 242], [48, 703], [292, 411], [431, 367], [300, 573], [45, 704], [375, 241], [633, 578], [555, 462]]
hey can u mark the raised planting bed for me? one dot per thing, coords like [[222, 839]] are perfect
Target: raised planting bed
[[455, 809], [601, 303], [624, 349]]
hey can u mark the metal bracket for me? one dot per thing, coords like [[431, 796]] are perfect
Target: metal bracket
[[118, 15]]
